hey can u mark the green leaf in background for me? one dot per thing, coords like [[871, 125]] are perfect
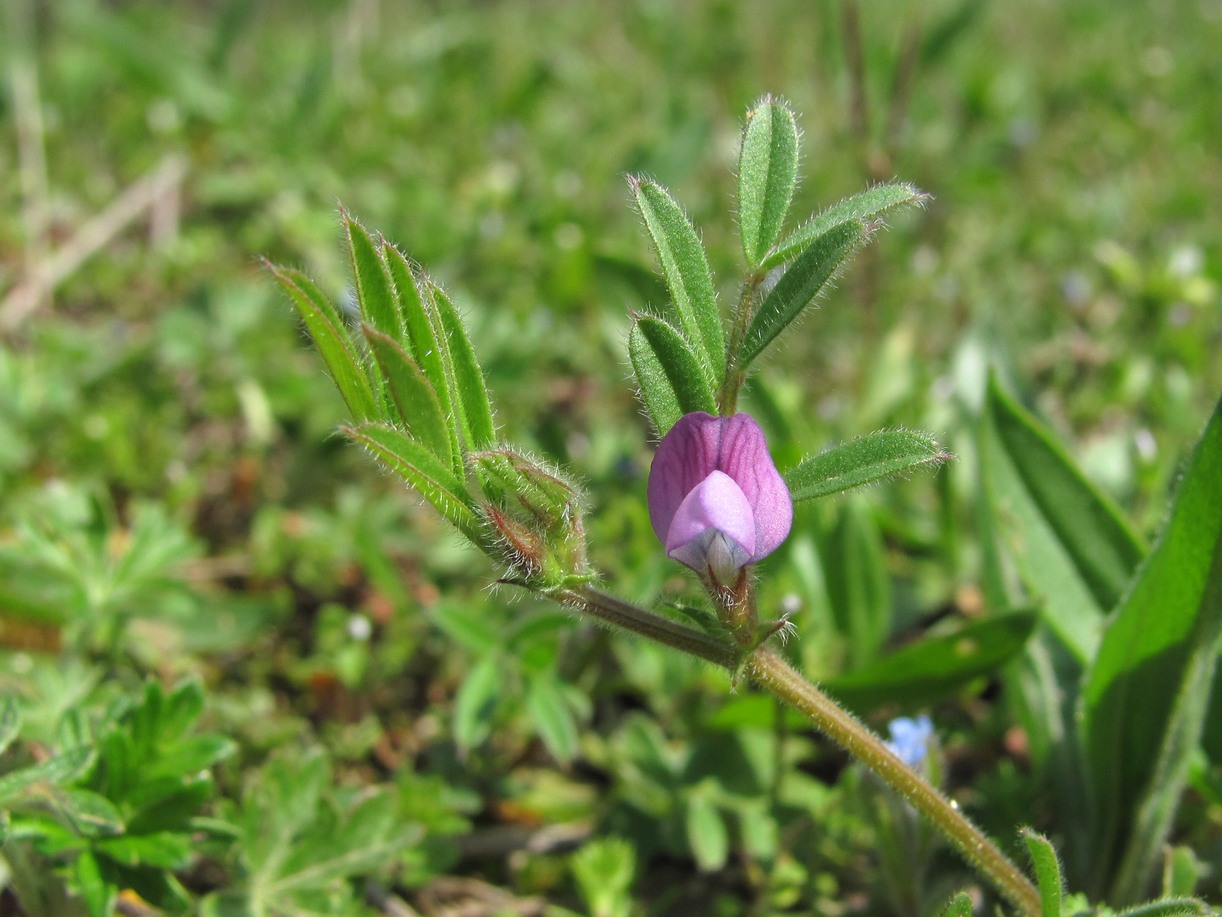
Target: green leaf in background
[[476, 703], [374, 289], [864, 207], [420, 468], [858, 584], [469, 392], [707, 833], [1069, 544], [767, 174], [326, 327], [668, 372], [874, 457], [1145, 697], [935, 666], [1047, 872], [413, 394], [552, 716], [686, 268], [799, 285]]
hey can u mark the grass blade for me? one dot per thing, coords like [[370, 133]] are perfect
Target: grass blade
[[1144, 699]]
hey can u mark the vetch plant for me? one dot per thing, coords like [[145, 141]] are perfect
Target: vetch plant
[[420, 405]]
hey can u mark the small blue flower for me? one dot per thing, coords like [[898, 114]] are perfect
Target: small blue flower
[[910, 738]]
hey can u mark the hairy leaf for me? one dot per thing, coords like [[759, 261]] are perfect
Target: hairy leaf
[[864, 207], [413, 394], [767, 174], [327, 329], [671, 380], [799, 285], [686, 269], [874, 457]]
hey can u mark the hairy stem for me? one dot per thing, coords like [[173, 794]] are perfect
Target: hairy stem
[[626, 616], [771, 672]]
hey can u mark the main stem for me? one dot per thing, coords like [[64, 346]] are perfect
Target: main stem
[[771, 672]]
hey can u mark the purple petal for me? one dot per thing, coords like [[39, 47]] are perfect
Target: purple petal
[[699, 444], [715, 507], [744, 457]]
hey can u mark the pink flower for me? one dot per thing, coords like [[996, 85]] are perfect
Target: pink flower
[[716, 500]]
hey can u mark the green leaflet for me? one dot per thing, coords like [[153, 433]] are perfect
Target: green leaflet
[[468, 393], [421, 469], [1144, 698], [671, 380], [767, 174], [327, 329], [421, 323], [413, 395], [864, 207], [374, 289], [959, 906], [686, 269], [874, 457], [799, 285]]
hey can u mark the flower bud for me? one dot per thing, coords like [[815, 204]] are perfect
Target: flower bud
[[716, 500]]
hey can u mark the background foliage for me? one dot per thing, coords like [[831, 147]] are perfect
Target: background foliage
[[175, 509]]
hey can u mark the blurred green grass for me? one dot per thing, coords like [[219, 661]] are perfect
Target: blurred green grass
[[1073, 152]]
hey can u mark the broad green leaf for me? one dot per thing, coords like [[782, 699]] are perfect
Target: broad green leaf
[[706, 831], [874, 457], [864, 207], [420, 468], [799, 285], [468, 390], [858, 583], [165, 849], [1047, 872], [412, 393], [767, 173], [927, 670], [959, 906], [672, 383], [374, 289], [10, 721], [1145, 697], [90, 882], [552, 717], [686, 269], [1052, 521], [333, 343], [476, 703], [422, 342]]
